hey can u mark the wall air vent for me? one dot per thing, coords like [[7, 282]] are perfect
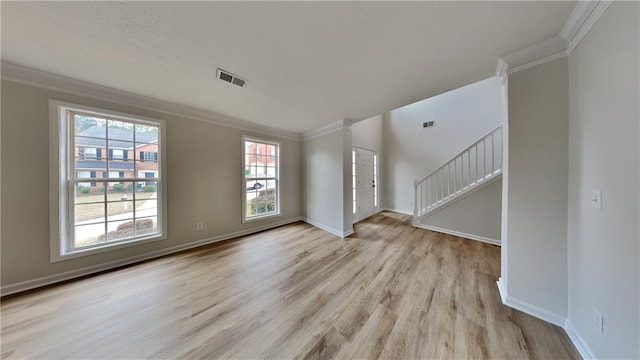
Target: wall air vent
[[230, 78], [428, 124]]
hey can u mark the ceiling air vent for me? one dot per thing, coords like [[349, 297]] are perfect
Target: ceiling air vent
[[230, 78]]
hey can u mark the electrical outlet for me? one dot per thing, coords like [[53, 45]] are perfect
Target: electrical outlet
[[598, 321], [199, 226]]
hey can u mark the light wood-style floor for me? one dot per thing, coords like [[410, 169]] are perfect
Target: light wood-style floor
[[388, 291]]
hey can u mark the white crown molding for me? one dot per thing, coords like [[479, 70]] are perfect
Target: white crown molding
[[46, 80], [581, 20], [536, 54], [501, 70], [327, 129]]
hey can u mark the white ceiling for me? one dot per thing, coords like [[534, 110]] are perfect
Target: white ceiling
[[307, 64]]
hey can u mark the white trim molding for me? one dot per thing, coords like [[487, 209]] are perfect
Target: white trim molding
[[52, 279], [501, 70], [329, 229], [327, 129], [502, 289], [459, 234], [580, 344], [581, 20], [399, 211], [534, 311], [536, 54], [45, 80]]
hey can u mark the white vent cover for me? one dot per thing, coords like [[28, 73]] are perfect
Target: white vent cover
[[230, 78]]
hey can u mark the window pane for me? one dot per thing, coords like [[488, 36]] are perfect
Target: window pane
[[147, 158], [271, 171], [85, 193], [255, 184], [89, 126], [146, 152], [262, 149], [90, 169], [120, 210], [120, 130], [89, 235], [89, 213], [146, 207], [271, 150], [146, 226], [146, 190], [251, 203], [119, 191], [89, 148], [146, 133], [249, 147], [118, 230], [124, 166]]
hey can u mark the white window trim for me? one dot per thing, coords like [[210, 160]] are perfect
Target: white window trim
[[60, 149], [244, 179]]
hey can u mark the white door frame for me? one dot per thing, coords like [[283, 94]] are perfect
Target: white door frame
[[357, 216]]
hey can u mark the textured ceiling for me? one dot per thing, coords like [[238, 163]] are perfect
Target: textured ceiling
[[307, 64]]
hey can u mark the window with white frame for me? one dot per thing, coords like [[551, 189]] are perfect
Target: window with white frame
[[119, 208], [261, 178]]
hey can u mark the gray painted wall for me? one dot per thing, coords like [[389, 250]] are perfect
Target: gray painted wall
[[604, 263], [537, 187], [462, 116], [478, 214], [204, 183], [368, 133], [327, 181]]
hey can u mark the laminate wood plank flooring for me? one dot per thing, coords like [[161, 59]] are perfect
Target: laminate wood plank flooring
[[389, 291]]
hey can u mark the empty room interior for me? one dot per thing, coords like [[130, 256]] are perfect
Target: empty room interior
[[320, 180]]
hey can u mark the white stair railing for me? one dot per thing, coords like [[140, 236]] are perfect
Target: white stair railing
[[472, 167]]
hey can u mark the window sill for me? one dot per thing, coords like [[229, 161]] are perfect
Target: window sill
[[56, 257], [261, 217]]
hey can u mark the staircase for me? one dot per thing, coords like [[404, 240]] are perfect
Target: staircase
[[473, 168]]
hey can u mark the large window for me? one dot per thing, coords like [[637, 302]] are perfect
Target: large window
[[105, 202], [261, 179]]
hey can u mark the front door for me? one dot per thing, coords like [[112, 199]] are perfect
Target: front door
[[366, 194]]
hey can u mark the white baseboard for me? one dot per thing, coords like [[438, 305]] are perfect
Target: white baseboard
[[327, 228], [502, 289], [527, 308], [398, 211], [577, 340], [460, 234], [51, 279]]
